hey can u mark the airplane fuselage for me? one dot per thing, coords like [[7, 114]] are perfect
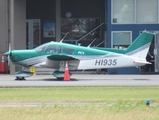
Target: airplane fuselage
[[88, 58], [33, 58], [110, 62]]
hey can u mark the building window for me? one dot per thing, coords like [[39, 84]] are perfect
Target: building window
[[146, 11], [123, 11], [134, 11], [121, 40], [78, 27]]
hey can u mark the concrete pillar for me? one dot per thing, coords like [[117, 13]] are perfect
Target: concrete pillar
[[58, 20], [17, 27], [4, 29], [11, 11]]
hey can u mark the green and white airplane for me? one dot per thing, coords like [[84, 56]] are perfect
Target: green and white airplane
[[54, 55]]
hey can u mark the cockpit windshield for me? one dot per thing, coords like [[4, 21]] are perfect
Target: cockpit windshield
[[41, 48], [54, 49]]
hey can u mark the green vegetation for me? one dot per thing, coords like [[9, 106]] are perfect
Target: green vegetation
[[104, 103], [80, 94]]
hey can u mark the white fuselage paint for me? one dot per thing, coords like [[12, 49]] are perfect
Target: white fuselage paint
[[110, 62]]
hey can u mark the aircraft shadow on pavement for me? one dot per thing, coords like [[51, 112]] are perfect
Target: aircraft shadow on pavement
[[52, 79]]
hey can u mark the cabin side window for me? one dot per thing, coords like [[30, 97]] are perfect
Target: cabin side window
[[68, 51], [53, 49]]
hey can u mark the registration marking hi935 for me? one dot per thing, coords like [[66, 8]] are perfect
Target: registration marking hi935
[[104, 62]]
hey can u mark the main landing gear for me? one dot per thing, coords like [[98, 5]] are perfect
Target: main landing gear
[[59, 75]]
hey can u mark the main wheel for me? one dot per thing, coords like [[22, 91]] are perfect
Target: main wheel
[[60, 78]]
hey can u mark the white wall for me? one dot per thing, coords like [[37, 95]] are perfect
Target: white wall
[[3, 26]]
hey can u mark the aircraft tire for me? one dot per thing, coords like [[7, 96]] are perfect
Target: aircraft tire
[[98, 71], [20, 78], [60, 78]]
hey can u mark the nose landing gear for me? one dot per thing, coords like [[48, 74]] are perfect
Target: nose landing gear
[[21, 75]]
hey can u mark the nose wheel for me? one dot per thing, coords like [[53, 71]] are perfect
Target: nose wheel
[[20, 78], [21, 75]]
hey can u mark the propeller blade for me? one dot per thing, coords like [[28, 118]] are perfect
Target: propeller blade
[[10, 54], [10, 49], [8, 60]]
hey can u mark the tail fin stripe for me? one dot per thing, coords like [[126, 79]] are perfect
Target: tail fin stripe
[[138, 49]]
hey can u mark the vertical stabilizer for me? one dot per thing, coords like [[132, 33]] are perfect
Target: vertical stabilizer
[[140, 46]]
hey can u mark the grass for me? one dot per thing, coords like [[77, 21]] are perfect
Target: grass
[[105, 103], [90, 112], [69, 94]]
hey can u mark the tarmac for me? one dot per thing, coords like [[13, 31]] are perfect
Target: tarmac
[[82, 80]]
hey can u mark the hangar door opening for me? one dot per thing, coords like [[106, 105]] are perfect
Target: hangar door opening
[[153, 56], [32, 33], [156, 51]]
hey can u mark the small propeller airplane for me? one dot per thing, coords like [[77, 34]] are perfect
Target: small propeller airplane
[[55, 54]]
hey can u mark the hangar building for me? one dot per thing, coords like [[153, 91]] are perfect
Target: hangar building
[[26, 24]]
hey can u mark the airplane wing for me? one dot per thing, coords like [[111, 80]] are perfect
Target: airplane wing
[[61, 57], [58, 60]]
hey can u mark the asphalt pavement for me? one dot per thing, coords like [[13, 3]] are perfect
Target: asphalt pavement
[[81, 80]]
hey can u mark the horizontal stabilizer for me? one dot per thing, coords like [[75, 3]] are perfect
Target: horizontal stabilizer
[[141, 62]]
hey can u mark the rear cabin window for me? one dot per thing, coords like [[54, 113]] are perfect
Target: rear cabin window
[[53, 49], [68, 51]]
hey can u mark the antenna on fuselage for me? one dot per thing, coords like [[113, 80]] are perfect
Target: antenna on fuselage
[[64, 37], [99, 44], [91, 42]]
